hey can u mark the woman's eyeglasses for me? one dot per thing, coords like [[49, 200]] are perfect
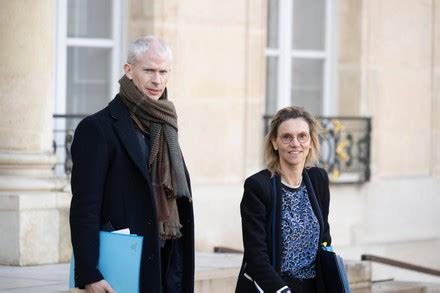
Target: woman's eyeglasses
[[302, 137]]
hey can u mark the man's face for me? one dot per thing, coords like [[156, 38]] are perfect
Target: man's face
[[150, 73]]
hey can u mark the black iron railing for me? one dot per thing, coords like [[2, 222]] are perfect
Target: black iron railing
[[345, 147], [64, 127]]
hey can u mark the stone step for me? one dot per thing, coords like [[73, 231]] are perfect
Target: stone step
[[217, 272], [359, 273], [401, 287]]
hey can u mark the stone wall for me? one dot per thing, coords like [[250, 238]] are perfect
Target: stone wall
[[386, 58], [388, 68], [217, 84]]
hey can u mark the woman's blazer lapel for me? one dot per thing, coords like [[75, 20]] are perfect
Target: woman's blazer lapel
[[313, 197]]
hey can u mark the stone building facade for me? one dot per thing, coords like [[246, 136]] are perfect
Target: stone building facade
[[386, 65]]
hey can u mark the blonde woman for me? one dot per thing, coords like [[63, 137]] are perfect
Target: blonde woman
[[284, 210]]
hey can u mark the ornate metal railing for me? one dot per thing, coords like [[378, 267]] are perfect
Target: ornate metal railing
[[345, 147], [64, 127]]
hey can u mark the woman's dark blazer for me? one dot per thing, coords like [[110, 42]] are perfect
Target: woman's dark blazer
[[262, 245], [111, 184]]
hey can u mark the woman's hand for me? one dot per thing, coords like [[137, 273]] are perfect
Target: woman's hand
[[99, 287]]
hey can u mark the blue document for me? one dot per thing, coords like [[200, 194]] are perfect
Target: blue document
[[333, 270], [343, 273], [119, 261]]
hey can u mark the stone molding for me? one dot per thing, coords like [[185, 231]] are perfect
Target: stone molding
[[33, 209], [23, 171]]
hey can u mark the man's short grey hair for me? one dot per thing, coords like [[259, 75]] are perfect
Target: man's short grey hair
[[143, 44]]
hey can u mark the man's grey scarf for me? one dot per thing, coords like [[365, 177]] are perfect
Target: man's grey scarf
[[159, 118]]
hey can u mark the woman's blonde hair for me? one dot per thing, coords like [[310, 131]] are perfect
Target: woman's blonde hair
[[271, 156]]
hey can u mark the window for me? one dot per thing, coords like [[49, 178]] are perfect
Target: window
[[88, 61], [300, 55]]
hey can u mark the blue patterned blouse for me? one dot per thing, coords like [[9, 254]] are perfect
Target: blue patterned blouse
[[299, 233]]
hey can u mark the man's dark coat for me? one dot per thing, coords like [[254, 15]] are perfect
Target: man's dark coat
[[111, 184]]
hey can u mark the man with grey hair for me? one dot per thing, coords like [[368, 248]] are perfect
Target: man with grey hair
[[129, 172]]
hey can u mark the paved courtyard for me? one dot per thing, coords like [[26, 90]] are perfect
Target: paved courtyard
[[35, 279], [55, 278]]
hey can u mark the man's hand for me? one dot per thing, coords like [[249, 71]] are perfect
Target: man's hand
[[99, 287]]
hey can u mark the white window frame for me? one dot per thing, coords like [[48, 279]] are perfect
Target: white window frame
[[285, 53], [63, 42]]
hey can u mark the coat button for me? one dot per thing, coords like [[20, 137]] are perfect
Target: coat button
[[149, 221], [150, 257]]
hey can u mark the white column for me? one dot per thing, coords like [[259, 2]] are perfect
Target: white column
[[33, 209]]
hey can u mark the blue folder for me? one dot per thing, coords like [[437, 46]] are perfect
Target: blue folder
[[119, 261], [343, 273], [333, 270]]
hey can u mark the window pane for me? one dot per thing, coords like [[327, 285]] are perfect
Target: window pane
[[272, 24], [307, 84], [308, 25], [271, 84], [89, 19], [88, 79]]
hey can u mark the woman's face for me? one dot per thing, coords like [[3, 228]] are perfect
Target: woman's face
[[293, 143]]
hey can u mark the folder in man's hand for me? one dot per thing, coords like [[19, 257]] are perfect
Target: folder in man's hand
[[119, 261]]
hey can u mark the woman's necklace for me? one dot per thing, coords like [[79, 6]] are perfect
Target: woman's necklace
[[292, 186]]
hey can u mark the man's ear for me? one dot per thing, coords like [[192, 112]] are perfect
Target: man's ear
[[128, 70]]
